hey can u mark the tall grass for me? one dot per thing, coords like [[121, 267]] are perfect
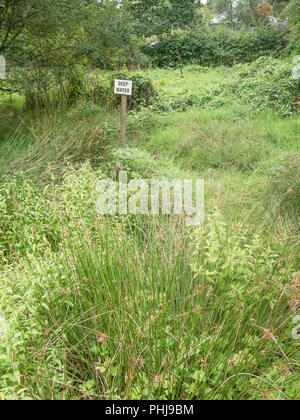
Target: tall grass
[[228, 137], [143, 307], [47, 144]]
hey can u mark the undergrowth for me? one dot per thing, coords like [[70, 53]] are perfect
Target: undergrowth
[[137, 307]]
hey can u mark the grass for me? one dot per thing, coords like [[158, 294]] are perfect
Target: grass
[[225, 137], [196, 79], [49, 142], [11, 101], [140, 307]]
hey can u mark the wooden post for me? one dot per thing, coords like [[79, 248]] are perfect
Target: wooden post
[[123, 88], [123, 120], [180, 62]]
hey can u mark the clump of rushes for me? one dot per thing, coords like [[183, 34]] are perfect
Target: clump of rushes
[[141, 307], [283, 187]]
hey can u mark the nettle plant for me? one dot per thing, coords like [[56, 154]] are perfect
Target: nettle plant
[[268, 83]]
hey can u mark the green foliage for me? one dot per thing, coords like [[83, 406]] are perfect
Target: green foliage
[[232, 263], [212, 47], [36, 20], [140, 308], [45, 51], [292, 13], [279, 5], [108, 36], [84, 132], [143, 91], [265, 83], [237, 14], [218, 139], [26, 225], [38, 40], [156, 17], [44, 89], [133, 307], [75, 84], [101, 89], [282, 191], [268, 83]]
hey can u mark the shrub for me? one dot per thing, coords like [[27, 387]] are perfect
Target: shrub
[[26, 225], [102, 90], [143, 90], [267, 83], [75, 83], [212, 47], [291, 13]]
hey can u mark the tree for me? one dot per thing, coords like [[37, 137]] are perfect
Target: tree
[[264, 10], [40, 18], [224, 7], [108, 35], [240, 12], [156, 17], [292, 14], [45, 42], [35, 35], [183, 13], [278, 5]]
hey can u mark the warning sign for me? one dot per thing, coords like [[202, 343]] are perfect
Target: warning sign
[[123, 87]]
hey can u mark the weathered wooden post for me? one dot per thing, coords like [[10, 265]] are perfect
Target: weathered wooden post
[[123, 88], [123, 120], [180, 63]]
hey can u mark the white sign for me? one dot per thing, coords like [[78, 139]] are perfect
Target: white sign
[[123, 87], [2, 67]]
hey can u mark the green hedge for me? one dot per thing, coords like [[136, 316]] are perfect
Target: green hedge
[[215, 46]]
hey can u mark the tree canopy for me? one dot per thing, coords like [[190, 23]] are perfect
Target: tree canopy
[[156, 17]]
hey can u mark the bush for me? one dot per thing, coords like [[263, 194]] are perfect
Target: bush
[[212, 47], [265, 83], [26, 225], [102, 90], [291, 13], [268, 83], [143, 90]]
